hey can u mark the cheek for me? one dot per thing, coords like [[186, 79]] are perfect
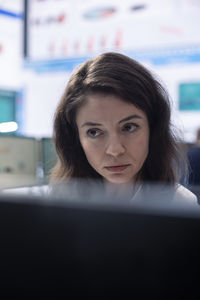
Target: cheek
[[141, 147], [90, 148]]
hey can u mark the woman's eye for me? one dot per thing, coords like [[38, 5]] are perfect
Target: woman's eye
[[129, 127], [93, 133]]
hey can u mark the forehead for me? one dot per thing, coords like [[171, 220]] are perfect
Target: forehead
[[100, 106]]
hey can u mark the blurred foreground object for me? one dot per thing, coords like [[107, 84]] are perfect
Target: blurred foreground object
[[96, 250]]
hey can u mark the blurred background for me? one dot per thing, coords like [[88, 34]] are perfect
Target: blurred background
[[42, 41]]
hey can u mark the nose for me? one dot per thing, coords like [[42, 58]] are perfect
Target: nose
[[115, 146]]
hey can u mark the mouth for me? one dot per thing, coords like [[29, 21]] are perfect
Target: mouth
[[117, 169]]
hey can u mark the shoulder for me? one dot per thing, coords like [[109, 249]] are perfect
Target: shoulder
[[184, 195], [178, 195]]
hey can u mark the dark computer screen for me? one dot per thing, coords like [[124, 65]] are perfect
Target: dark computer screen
[[53, 248]]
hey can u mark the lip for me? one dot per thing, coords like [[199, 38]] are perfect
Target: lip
[[117, 169]]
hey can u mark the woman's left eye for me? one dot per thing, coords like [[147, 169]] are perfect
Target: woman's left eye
[[130, 127]]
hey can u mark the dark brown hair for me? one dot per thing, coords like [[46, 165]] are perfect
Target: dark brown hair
[[115, 74]]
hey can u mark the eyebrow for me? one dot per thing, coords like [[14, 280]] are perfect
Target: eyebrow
[[130, 118], [91, 124], [121, 121]]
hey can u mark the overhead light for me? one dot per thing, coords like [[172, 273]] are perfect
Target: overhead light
[[8, 127]]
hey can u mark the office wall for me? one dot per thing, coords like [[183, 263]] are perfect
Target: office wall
[[42, 93], [162, 35], [11, 43], [45, 89], [187, 121], [11, 61], [61, 34]]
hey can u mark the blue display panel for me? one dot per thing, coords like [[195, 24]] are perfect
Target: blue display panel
[[7, 106], [189, 96], [11, 107]]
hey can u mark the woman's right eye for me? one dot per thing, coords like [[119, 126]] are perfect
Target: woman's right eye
[[93, 133]]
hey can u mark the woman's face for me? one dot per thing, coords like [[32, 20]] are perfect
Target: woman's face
[[114, 135]]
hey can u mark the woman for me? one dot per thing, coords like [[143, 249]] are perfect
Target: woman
[[113, 124]]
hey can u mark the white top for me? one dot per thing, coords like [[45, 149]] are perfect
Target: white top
[[177, 195], [144, 194], [183, 194]]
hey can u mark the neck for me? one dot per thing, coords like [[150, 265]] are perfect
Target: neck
[[119, 190]]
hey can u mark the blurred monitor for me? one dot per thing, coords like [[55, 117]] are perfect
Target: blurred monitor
[[18, 161], [7, 106], [189, 96], [49, 157], [97, 251]]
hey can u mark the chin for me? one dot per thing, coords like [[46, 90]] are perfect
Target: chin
[[119, 180]]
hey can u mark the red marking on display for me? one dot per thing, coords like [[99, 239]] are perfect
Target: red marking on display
[[91, 43], [118, 40], [76, 46], [171, 30], [61, 18], [64, 47], [103, 42]]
